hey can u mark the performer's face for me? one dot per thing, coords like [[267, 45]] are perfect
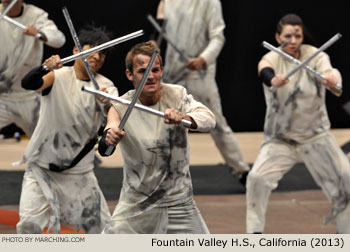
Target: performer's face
[[152, 86], [15, 10], [95, 59], [5, 3], [291, 38]]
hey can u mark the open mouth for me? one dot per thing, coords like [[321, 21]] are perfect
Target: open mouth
[[93, 65]]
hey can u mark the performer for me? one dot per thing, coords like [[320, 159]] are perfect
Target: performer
[[157, 195], [19, 53], [196, 27], [59, 184], [297, 129]]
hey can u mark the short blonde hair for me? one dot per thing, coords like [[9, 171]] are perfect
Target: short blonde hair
[[145, 48]]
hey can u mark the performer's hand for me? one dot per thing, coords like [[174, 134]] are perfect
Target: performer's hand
[[31, 30], [172, 116], [279, 80], [103, 99], [114, 135], [330, 80], [195, 63], [54, 62]]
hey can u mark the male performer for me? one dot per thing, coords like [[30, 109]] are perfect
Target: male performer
[[20, 51], [196, 27], [59, 184], [157, 194], [297, 128]]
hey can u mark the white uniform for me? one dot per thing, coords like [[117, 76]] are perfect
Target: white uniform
[[297, 130], [196, 27], [69, 119], [157, 186], [19, 53]]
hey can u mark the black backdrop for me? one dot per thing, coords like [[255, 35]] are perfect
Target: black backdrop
[[248, 23]]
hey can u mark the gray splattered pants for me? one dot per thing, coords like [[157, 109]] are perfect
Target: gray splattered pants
[[327, 164], [24, 113], [180, 219], [50, 198]]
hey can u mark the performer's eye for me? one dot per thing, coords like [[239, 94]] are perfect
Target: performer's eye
[[155, 70], [141, 70]]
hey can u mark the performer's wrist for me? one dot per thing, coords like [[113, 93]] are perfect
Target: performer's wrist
[[103, 146], [266, 75], [42, 36], [33, 80]]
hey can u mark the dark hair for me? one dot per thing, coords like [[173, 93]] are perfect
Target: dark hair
[[146, 48], [294, 19], [94, 36]]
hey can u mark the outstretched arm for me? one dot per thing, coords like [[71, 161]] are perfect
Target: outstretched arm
[[38, 78], [268, 76]]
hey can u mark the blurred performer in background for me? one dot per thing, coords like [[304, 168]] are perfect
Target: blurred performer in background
[[20, 51], [196, 27], [157, 194], [297, 128], [59, 184]]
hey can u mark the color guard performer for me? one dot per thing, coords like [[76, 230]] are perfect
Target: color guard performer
[[157, 195], [59, 184], [297, 128], [196, 27], [20, 51]]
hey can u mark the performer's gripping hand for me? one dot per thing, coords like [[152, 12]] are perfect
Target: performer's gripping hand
[[31, 30], [103, 99], [196, 63], [114, 136], [330, 80], [279, 80], [54, 62], [172, 116]]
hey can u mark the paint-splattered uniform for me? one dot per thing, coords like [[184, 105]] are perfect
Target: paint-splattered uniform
[[157, 195], [297, 129], [196, 27], [19, 53], [69, 119]]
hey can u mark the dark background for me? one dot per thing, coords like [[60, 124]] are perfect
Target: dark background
[[248, 23]]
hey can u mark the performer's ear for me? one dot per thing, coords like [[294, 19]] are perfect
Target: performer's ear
[[75, 50], [129, 75], [277, 37]]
